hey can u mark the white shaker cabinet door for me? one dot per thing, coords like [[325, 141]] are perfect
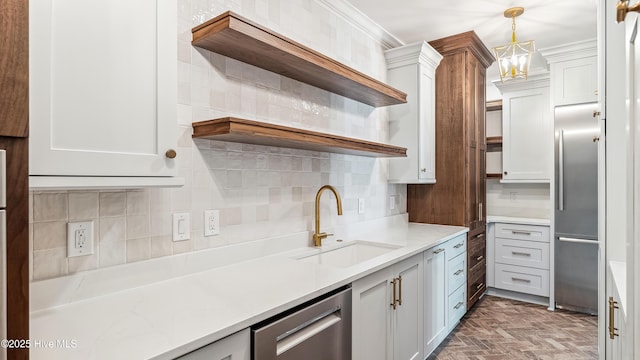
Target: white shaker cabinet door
[[408, 334], [371, 318], [233, 347], [527, 136], [103, 87], [435, 298]]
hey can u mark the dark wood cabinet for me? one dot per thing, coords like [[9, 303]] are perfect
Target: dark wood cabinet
[[14, 129], [459, 196]]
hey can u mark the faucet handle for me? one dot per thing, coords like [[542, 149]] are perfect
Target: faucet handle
[[325, 235]]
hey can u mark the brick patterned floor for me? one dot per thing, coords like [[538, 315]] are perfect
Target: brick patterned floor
[[503, 329]]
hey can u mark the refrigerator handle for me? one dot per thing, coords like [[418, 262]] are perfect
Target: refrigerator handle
[[561, 171]]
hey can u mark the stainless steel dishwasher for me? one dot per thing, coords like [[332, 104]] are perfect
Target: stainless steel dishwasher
[[320, 329]]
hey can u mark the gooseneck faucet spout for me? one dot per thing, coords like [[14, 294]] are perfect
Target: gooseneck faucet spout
[[318, 236]]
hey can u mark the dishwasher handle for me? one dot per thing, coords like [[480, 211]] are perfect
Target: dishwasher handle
[[306, 330]]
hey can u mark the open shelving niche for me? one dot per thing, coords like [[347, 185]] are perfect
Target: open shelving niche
[[494, 143], [234, 36]]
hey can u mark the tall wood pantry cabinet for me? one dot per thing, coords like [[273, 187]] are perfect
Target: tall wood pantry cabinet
[[458, 196], [14, 145]]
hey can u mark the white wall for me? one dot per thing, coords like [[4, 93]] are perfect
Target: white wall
[[261, 191]]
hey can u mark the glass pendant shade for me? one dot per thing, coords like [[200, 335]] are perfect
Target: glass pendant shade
[[514, 58]]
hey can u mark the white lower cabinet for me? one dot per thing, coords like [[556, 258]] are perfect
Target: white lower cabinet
[[444, 291], [435, 298], [388, 312], [233, 347], [520, 258]]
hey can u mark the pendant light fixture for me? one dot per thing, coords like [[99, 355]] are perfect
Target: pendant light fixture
[[514, 58]]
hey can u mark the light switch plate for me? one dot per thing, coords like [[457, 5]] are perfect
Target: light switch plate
[[360, 206], [79, 238], [181, 227]]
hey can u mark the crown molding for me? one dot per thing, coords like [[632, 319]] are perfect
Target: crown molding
[[570, 51], [534, 81], [358, 19], [420, 52]]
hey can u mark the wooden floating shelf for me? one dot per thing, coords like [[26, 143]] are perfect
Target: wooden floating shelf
[[236, 37], [260, 133], [494, 140], [494, 105], [494, 176]]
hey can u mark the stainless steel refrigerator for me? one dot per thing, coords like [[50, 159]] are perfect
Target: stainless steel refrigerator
[[576, 208]]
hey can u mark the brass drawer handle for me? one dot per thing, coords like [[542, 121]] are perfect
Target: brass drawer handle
[[458, 245], [520, 232], [393, 303], [458, 305], [400, 290], [612, 329], [438, 251], [458, 272], [479, 258], [479, 286], [520, 279]]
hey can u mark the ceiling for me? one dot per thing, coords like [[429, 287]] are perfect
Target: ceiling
[[548, 22]]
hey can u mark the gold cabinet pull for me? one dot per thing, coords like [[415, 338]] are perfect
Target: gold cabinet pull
[[479, 286], [479, 258], [612, 328], [622, 8], [393, 302], [438, 251], [171, 154], [458, 245], [400, 290], [458, 305], [458, 272]]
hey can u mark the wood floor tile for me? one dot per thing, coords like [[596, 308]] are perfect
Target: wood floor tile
[[503, 329]]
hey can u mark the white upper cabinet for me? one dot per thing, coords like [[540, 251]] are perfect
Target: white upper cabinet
[[527, 130], [574, 72], [411, 68], [103, 88]]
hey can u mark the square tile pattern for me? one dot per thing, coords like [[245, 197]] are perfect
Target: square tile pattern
[[260, 191], [503, 329]]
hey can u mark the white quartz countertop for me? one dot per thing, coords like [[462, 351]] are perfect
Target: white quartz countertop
[[517, 220], [169, 318]]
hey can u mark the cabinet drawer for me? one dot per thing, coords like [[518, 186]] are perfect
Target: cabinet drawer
[[476, 288], [476, 250], [522, 253], [522, 279], [522, 232], [456, 246], [457, 272], [457, 306]]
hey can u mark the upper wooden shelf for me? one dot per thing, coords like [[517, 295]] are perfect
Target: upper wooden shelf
[[494, 105], [260, 133], [236, 37]]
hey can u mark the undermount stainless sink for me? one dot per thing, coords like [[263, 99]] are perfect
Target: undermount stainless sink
[[349, 254]]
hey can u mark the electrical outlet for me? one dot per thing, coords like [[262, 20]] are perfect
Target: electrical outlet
[[79, 238], [360, 206], [181, 227], [392, 202], [211, 222]]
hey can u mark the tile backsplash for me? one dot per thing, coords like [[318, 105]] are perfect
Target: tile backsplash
[[518, 200], [260, 191]]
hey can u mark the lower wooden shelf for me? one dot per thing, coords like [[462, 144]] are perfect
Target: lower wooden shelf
[[494, 176], [260, 133]]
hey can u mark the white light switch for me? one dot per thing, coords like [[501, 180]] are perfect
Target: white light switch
[[181, 227], [360, 206]]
